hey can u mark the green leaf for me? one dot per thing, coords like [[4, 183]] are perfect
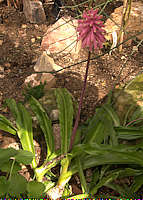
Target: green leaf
[[129, 133], [127, 114], [95, 178], [101, 128], [6, 167], [103, 170], [126, 172], [103, 182], [108, 108], [106, 154], [24, 157], [6, 125], [6, 154], [137, 183], [13, 107], [45, 124], [65, 106], [25, 129], [95, 130], [137, 114], [123, 191], [80, 196], [3, 185], [35, 189], [17, 185], [48, 185], [81, 175], [24, 125]]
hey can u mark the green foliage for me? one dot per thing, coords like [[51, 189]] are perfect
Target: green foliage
[[45, 124], [6, 125], [35, 189], [13, 184], [65, 106], [98, 145], [24, 126], [37, 92]]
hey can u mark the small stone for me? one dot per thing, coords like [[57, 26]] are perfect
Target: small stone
[[103, 83], [16, 44], [135, 48], [23, 26], [36, 26], [54, 115], [1, 68], [33, 40], [38, 37], [123, 57], [1, 96], [8, 65], [1, 42], [1, 75]]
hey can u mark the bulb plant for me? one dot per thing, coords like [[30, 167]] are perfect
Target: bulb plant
[[99, 144]]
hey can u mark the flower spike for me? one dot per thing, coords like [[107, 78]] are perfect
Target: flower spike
[[90, 29]]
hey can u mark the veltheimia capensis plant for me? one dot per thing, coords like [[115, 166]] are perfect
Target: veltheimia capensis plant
[[98, 146]]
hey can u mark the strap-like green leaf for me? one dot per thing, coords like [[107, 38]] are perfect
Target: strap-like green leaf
[[81, 175], [102, 182], [129, 133], [65, 106], [6, 125], [95, 130], [105, 154], [100, 128], [24, 126], [108, 108], [137, 183], [45, 124]]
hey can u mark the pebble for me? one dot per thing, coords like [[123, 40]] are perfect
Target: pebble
[[54, 115], [1, 42], [23, 26], [1, 69], [36, 26], [135, 48], [123, 57], [7, 65], [1, 75], [33, 40], [1, 96], [38, 37], [16, 44]]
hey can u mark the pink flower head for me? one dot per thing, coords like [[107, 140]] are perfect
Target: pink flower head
[[91, 30]]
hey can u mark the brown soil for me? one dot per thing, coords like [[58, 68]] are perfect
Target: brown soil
[[20, 47]]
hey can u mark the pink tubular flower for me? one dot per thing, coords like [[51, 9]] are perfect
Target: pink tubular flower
[[91, 30]]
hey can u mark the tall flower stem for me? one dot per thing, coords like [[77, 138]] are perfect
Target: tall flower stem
[[80, 103]]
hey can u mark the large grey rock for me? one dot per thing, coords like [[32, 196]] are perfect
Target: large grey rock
[[34, 11]]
